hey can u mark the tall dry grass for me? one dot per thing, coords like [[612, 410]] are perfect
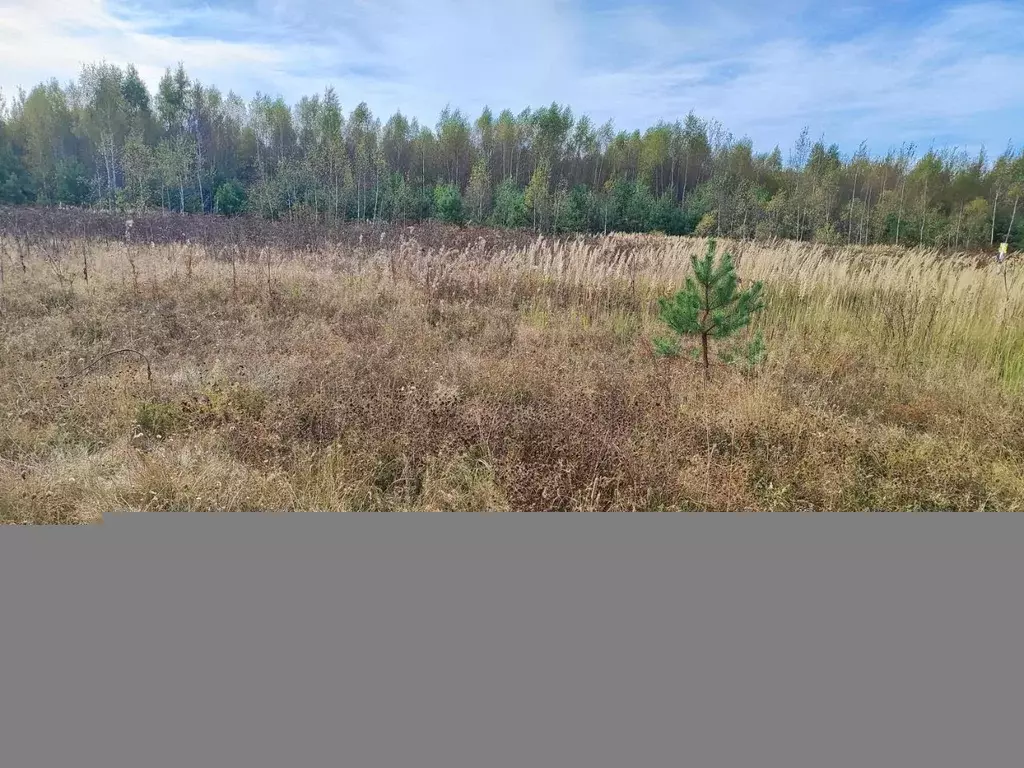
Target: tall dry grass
[[401, 376]]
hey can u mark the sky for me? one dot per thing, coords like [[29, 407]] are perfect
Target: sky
[[947, 73]]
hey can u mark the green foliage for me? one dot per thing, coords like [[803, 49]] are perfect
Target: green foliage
[[666, 346], [667, 217], [402, 201], [155, 418], [107, 139], [422, 204], [72, 183], [828, 235], [229, 199], [448, 203], [538, 198], [509, 205], [755, 351], [748, 355], [478, 193], [574, 210], [16, 186], [711, 305], [706, 226], [699, 201], [631, 207], [399, 199]]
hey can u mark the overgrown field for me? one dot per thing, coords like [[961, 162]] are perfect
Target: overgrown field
[[393, 372]]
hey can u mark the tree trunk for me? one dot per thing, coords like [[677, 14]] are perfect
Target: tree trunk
[[721, 215], [686, 174], [705, 331], [853, 196], [799, 210], [924, 211], [1013, 216], [199, 175], [995, 204], [899, 216], [707, 362], [376, 194], [864, 219], [106, 163]]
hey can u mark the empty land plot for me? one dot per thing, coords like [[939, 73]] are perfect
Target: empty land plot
[[446, 369]]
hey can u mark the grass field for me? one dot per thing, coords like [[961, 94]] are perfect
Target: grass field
[[393, 375]]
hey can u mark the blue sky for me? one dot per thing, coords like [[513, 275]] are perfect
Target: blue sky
[[948, 72]]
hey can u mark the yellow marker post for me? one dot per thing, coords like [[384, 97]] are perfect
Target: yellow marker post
[[1001, 259]]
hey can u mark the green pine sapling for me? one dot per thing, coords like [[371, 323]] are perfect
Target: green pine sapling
[[711, 304], [748, 356]]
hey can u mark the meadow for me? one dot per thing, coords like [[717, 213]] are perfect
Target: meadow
[[441, 368]]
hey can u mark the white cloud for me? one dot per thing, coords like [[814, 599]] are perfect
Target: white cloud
[[750, 65], [948, 75], [468, 52], [53, 38]]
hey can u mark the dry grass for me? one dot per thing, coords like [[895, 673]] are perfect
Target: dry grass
[[415, 378]]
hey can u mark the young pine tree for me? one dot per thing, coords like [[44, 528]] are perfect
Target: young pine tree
[[711, 304], [448, 204]]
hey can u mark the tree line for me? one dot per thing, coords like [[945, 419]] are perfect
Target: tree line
[[105, 141]]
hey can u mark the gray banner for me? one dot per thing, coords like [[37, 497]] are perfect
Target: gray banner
[[513, 640]]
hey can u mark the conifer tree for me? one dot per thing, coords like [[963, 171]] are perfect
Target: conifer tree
[[448, 203], [711, 304]]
